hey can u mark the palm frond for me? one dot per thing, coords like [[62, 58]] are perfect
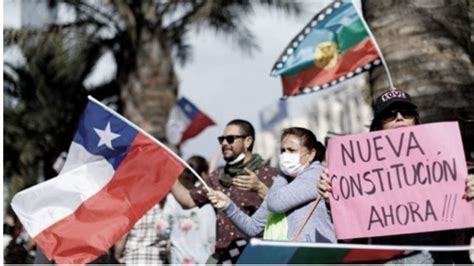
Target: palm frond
[[225, 18]]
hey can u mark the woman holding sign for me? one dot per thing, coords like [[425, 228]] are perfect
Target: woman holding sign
[[394, 109], [291, 210]]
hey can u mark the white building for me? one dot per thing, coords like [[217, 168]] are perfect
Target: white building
[[340, 110], [28, 13]]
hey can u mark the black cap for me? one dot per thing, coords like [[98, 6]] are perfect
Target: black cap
[[390, 97]]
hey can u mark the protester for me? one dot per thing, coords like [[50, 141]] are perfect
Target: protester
[[193, 231], [9, 226], [292, 197], [394, 109], [245, 178], [147, 241], [18, 247]]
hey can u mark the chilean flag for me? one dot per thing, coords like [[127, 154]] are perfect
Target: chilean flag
[[185, 121], [114, 173]]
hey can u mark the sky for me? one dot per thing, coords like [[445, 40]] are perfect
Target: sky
[[221, 80], [226, 84]]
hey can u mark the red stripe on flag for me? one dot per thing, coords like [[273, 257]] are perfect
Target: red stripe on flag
[[142, 180], [364, 255], [198, 124], [359, 55]]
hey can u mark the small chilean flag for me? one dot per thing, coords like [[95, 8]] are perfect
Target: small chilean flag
[[114, 173], [185, 121]]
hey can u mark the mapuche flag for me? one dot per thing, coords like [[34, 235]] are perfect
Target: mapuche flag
[[334, 46], [114, 173]]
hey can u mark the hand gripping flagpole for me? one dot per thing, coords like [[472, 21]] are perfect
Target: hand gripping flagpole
[[376, 44], [153, 138]]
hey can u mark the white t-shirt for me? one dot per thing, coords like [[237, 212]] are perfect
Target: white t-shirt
[[193, 232]]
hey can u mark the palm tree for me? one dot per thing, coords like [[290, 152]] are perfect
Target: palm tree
[[43, 101], [147, 39], [427, 46]]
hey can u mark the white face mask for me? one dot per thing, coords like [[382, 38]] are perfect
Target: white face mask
[[290, 164], [237, 160]]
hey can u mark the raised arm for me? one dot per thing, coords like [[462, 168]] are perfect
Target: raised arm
[[295, 193], [182, 195], [251, 226]]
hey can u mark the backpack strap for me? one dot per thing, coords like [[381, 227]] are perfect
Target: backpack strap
[[305, 221]]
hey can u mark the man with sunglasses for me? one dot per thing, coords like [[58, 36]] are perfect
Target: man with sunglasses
[[245, 179]]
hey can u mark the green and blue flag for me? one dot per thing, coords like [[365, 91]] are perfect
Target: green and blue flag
[[334, 46]]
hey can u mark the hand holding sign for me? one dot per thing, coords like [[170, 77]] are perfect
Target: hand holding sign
[[324, 185]]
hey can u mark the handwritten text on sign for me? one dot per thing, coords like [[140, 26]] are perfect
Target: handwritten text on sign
[[399, 181]]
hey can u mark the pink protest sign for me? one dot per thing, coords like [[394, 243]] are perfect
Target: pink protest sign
[[399, 181]]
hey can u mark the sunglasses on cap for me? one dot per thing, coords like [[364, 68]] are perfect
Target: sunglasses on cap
[[229, 138], [391, 115]]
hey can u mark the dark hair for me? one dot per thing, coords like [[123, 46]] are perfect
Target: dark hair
[[199, 164], [377, 121], [246, 129], [16, 253], [308, 139]]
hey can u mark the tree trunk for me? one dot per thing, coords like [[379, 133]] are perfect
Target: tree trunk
[[149, 91], [426, 44]]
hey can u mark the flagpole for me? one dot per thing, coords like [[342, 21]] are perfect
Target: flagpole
[[376, 44], [151, 137]]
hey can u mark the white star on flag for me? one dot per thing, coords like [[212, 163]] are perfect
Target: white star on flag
[[106, 136], [188, 108]]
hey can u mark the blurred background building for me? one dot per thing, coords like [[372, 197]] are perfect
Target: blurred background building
[[341, 110]]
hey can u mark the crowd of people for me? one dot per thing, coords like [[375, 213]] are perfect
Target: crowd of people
[[249, 198]]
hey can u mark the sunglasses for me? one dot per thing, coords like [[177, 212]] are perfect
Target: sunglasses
[[392, 114], [229, 138]]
